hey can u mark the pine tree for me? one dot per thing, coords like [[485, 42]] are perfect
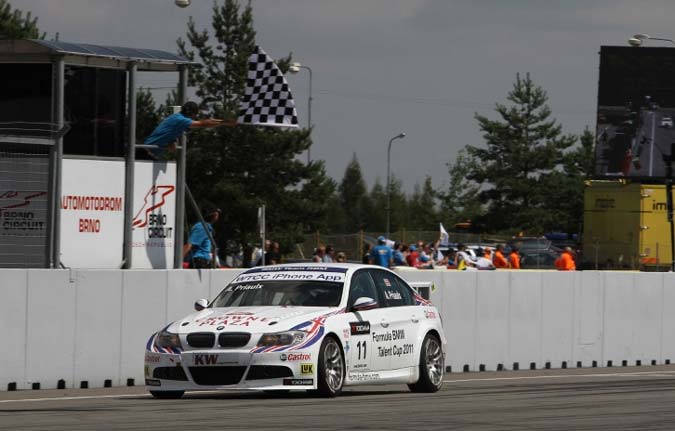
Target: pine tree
[[522, 146], [422, 205], [240, 168], [353, 195], [461, 201], [14, 25]]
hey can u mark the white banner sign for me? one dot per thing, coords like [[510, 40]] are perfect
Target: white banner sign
[[154, 215], [92, 213]]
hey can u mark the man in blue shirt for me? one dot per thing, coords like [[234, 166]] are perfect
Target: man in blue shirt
[[166, 134], [199, 242], [381, 254]]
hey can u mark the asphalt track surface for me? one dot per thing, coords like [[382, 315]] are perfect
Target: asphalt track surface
[[638, 398]]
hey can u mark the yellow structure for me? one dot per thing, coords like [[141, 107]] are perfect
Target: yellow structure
[[626, 226]]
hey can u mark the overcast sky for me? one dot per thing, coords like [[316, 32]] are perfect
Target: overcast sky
[[423, 67]]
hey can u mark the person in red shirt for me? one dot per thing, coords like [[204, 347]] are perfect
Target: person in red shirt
[[566, 261], [413, 256], [514, 259], [498, 259]]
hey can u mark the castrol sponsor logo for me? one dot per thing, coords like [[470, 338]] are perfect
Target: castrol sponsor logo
[[295, 357]]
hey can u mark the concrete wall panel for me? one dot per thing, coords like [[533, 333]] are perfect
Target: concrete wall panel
[[97, 327], [459, 318], [589, 306], [632, 317], [525, 319], [144, 305], [51, 328], [13, 314], [557, 326], [492, 320]]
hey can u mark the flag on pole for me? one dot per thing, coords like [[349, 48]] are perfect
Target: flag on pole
[[267, 100], [445, 238]]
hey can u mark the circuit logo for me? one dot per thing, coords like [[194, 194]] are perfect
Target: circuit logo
[[154, 199]]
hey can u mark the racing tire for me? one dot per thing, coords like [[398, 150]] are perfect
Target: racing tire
[[431, 366], [331, 375], [167, 395]]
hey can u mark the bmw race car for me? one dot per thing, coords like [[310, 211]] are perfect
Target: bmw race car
[[302, 326]]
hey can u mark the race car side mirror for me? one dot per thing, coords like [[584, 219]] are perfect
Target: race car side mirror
[[201, 304], [364, 303]]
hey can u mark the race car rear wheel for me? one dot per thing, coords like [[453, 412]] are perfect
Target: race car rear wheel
[[167, 395], [431, 366], [331, 374]]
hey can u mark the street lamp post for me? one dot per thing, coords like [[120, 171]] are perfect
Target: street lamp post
[[638, 39], [295, 68], [399, 136]]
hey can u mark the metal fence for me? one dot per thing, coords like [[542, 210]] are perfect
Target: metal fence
[[24, 206], [29, 164]]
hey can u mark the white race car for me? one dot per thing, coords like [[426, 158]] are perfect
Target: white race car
[[302, 326]]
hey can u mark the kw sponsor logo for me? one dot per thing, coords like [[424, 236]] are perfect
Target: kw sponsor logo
[[295, 357], [359, 328], [205, 359], [307, 368]]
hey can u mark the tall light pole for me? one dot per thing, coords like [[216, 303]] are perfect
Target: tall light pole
[[295, 68], [639, 39], [399, 136]]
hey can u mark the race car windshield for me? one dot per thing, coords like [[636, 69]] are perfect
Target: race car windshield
[[271, 293]]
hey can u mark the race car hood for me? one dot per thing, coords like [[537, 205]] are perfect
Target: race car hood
[[247, 319]]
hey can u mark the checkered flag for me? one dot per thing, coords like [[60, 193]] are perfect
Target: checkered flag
[[267, 100]]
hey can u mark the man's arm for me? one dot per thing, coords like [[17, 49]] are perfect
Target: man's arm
[[212, 122]]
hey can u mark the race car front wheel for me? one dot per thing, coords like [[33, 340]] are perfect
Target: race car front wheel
[[431, 366], [331, 375], [167, 395]]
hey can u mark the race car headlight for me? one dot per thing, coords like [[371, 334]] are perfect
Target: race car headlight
[[168, 339], [282, 338]]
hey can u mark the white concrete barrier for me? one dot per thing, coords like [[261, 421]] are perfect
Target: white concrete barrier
[[75, 328]]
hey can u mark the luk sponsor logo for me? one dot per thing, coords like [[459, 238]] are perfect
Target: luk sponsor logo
[[295, 357], [359, 328], [306, 368], [298, 382], [429, 314]]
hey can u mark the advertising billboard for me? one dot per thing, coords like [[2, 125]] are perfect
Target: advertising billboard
[[154, 212], [636, 107], [92, 213]]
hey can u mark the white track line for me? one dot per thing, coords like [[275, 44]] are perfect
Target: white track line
[[553, 376], [570, 376]]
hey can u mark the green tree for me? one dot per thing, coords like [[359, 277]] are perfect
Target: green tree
[[460, 202], [376, 216], [15, 25], [565, 201], [423, 207], [147, 115], [353, 197], [240, 168], [523, 146]]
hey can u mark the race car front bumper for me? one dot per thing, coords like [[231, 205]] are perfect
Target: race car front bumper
[[228, 369]]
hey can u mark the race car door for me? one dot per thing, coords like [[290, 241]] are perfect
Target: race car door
[[402, 317], [367, 328]]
